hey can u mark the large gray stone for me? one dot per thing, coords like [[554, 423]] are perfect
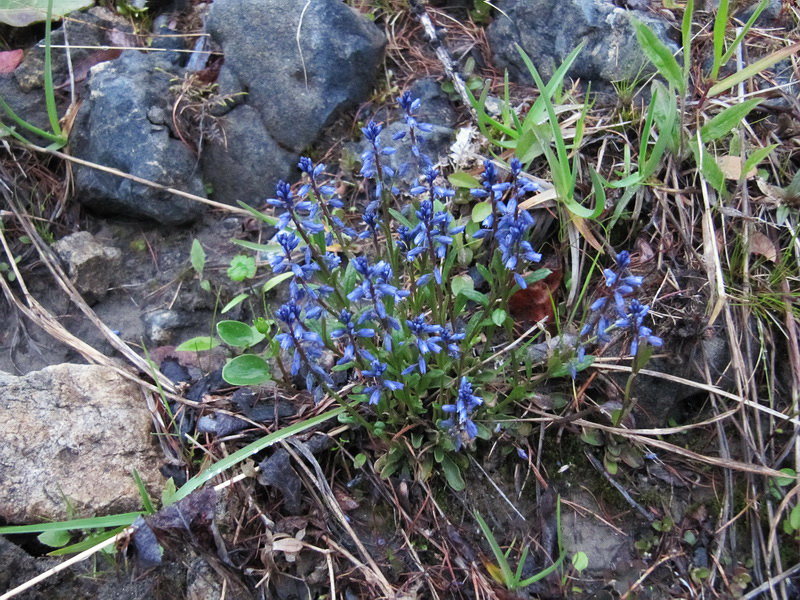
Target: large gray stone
[[114, 129], [70, 435], [298, 64], [548, 30]]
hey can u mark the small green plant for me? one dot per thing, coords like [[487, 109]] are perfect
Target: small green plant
[[56, 137], [512, 578]]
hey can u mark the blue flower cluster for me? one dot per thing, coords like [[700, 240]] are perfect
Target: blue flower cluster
[[460, 425], [383, 315], [616, 310], [507, 223]]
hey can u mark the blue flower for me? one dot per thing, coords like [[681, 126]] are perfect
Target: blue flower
[[427, 339], [449, 340], [376, 370], [306, 345], [460, 425], [352, 332], [293, 210]]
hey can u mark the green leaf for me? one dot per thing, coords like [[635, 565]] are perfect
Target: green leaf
[[247, 369], [580, 561], [794, 518], [453, 474], [724, 122], [463, 180], [233, 303], [21, 13], [720, 23], [168, 493], [278, 279], [475, 296], [480, 211], [258, 215], [660, 55], [89, 542], [198, 344], [756, 157], [538, 275], [791, 477], [238, 334], [198, 257], [268, 248], [54, 539], [460, 283], [359, 460], [242, 267], [499, 316]]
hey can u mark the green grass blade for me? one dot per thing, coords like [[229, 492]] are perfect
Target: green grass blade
[[32, 128], [253, 448], [258, 214], [536, 113], [660, 56], [122, 520], [686, 38], [49, 94], [754, 69], [505, 568], [747, 26], [89, 542], [147, 503], [720, 24]]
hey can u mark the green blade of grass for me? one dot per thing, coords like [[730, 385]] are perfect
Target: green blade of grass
[[720, 24], [253, 448], [752, 70], [747, 26], [505, 568], [122, 520]]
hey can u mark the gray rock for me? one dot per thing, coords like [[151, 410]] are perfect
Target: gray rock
[[548, 30], [113, 129], [160, 325], [70, 436], [293, 89], [249, 164], [90, 265]]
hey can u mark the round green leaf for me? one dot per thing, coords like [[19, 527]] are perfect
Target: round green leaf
[[238, 334], [463, 180], [481, 210], [242, 267], [580, 561], [499, 316], [461, 282], [247, 369]]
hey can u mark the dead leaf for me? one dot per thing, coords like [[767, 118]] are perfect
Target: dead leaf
[[534, 303], [763, 246], [345, 500], [9, 60], [731, 167], [287, 544]]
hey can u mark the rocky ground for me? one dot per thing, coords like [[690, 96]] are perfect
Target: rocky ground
[[107, 280]]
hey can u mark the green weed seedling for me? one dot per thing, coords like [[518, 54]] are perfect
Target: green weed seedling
[[502, 571], [56, 137]]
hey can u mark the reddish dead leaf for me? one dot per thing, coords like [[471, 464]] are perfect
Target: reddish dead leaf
[[534, 303], [82, 67], [345, 500], [9, 60], [762, 245]]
